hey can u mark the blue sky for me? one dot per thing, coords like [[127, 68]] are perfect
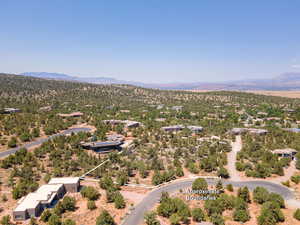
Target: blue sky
[[152, 40]]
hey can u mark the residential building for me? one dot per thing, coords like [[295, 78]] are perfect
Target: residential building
[[173, 128], [286, 153], [71, 184], [73, 114], [10, 110], [102, 146], [33, 204]]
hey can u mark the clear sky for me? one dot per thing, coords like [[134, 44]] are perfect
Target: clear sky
[[152, 40]]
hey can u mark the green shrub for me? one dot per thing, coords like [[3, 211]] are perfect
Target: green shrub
[[241, 215], [297, 214], [198, 215], [244, 194], [119, 201], [5, 220], [91, 205], [54, 220], [46, 215], [199, 184], [150, 218], [229, 187], [90, 193], [260, 195], [69, 222], [175, 219], [105, 219], [217, 219], [295, 179], [12, 142]]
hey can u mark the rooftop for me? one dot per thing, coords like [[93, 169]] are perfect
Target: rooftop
[[285, 151], [30, 201], [64, 180], [70, 114], [102, 144]]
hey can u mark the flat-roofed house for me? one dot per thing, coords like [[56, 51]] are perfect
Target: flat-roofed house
[[287, 152], [295, 130], [46, 196], [11, 110], [115, 137], [237, 131], [130, 124], [73, 114], [50, 193], [195, 129], [112, 122], [173, 128], [71, 184], [29, 206], [257, 131], [127, 123], [102, 146]]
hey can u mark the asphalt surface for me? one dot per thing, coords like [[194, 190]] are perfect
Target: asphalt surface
[[42, 140], [137, 215]]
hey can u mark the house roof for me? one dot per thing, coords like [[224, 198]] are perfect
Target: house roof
[[48, 188], [285, 151], [31, 201], [64, 180], [195, 128], [70, 114], [45, 193], [99, 144]]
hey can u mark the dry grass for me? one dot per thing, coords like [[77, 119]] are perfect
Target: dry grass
[[287, 94]]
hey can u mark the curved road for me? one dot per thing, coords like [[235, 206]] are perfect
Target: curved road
[[137, 215], [42, 140]]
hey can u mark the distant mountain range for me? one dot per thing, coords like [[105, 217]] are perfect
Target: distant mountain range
[[286, 81]]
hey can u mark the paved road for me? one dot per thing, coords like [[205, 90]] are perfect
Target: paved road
[[137, 215], [42, 140]]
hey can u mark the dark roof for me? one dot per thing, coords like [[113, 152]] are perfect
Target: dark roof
[[99, 144]]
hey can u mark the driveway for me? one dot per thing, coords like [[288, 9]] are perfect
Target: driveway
[[236, 147]]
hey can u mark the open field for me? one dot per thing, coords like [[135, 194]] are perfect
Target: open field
[[288, 94]]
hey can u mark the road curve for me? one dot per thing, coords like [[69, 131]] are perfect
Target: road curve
[[137, 215], [42, 140]]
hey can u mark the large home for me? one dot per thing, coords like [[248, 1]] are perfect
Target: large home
[[195, 129], [238, 131], [73, 114], [130, 123], [295, 130], [102, 146], [173, 128], [33, 204], [71, 184], [287, 152], [29, 206], [115, 137], [127, 123], [177, 107], [10, 110]]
